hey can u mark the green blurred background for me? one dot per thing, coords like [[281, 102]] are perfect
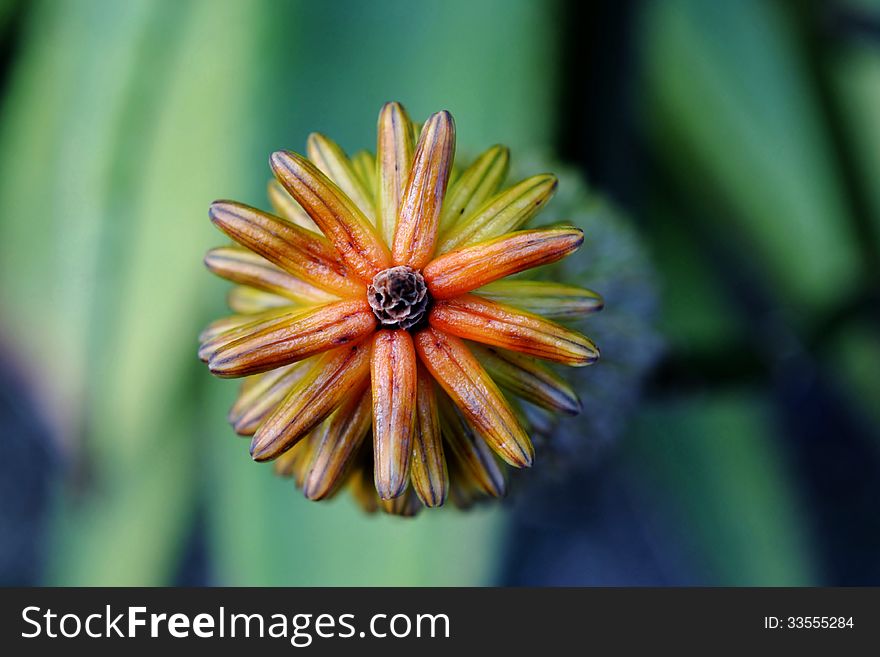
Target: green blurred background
[[742, 137]]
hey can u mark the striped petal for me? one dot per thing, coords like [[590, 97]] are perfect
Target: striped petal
[[474, 186], [219, 327], [528, 379], [361, 485], [337, 443], [470, 453], [261, 394], [470, 267], [245, 267], [250, 301], [419, 216], [297, 251], [502, 214], [331, 377], [354, 237], [293, 337], [547, 299], [393, 378], [485, 321], [227, 330], [285, 465], [364, 163], [394, 155], [329, 157], [457, 371], [406, 505], [541, 421], [296, 461], [286, 207], [429, 476]]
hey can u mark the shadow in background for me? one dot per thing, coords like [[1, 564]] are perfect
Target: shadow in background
[[606, 527]]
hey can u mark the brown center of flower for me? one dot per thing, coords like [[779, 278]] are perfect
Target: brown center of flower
[[399, 297]]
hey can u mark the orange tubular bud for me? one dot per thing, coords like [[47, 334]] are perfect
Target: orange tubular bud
[[528, 379], [294, 460], [250, 301], [393, 378], [430, 478], [544, 298], [284, 206], [354, 237], [294, 249], [504, 213], [247, 268], [470, 267], [217, 328], [329, 380], [336, 444], [394, 154], [457, 371], [293, 337], [261, 394], [472, 459], [229, 329], [329, 157], [474, 186], [419, 214], [474, 318]]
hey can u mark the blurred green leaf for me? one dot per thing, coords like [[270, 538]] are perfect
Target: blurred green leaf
[[717, 460], [856, 75], [697, 317], [854, 354], [734, 114], [113, 146]]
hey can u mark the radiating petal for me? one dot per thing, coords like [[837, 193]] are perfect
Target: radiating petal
[[474, 186], [393, 379], [360, 482], [516, 405], [297, 251], [364, 163], [338, 217], [542, 421], [544, 298], [229, 329], [249, 300], [462, 496], [331, 377], [529, 379], [286, 207], [470, 452], [470, 267], [297, 460], [419, 215], [337, 444], [406, 504], [329, 157], [219, 327], [261, 394], [394, 154], [481, 320], [285, 465], [428, 473], [454, 367], [245, 267], [501, 214], [287, 339]]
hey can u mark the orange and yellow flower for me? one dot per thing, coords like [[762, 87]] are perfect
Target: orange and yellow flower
[[371, 304]]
